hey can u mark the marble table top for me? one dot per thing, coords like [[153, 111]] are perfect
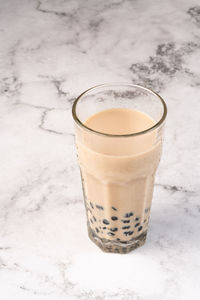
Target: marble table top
[[50, 52]]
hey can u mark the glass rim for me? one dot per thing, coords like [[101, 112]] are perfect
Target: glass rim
[[156, 125]]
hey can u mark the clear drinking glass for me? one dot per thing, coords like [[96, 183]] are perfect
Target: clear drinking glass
[[118, 170]]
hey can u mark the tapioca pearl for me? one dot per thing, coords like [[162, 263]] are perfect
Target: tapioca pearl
[[137, 224], [137, 219], [125, 221], [128, 232], [126, 227], [99, 207], [114, 218], [88, 209], [123, 242], [97, 230], [106, 222], [128, 215], [110, 233], [145, 221], [94, 218], [140, 228], [91, 205], [113, 229], [118, 239], [114, 208], [89, 212], [104, 228], [91, 220], [89, 215], [109, 248]]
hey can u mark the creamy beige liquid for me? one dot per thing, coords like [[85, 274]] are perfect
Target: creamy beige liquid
[[118, 172]]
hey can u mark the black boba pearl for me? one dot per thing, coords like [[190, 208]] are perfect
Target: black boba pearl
[[137, 219], [104, 228], [91, 221], [114, 218], [111, 233], [99, 207], [94, 218], [126, 221], [126, 227], [91, 205], [97, 230], [128, 215], [137, 224], [106, 222], [128, 232], [140, 228], [88, 208], [114, 208], [118, 239], [109, 248], [145, 220], [113, 229]]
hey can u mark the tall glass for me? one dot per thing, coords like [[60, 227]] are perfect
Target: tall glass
[[118, 170]]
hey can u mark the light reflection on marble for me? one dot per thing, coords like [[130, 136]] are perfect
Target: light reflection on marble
[[50, 52]]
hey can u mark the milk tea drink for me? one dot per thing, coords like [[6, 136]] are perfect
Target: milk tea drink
[[118, 170]]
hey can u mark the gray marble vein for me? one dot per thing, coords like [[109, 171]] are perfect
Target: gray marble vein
[[51, 51]]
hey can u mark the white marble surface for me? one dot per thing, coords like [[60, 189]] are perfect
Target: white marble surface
[[50, 52]]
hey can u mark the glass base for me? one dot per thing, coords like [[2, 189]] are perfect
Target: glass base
[[117, 246]]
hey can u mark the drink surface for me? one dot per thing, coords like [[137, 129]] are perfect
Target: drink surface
[[119, 121], [118, 173]]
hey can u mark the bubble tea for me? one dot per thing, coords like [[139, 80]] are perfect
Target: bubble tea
[[119, 130]]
